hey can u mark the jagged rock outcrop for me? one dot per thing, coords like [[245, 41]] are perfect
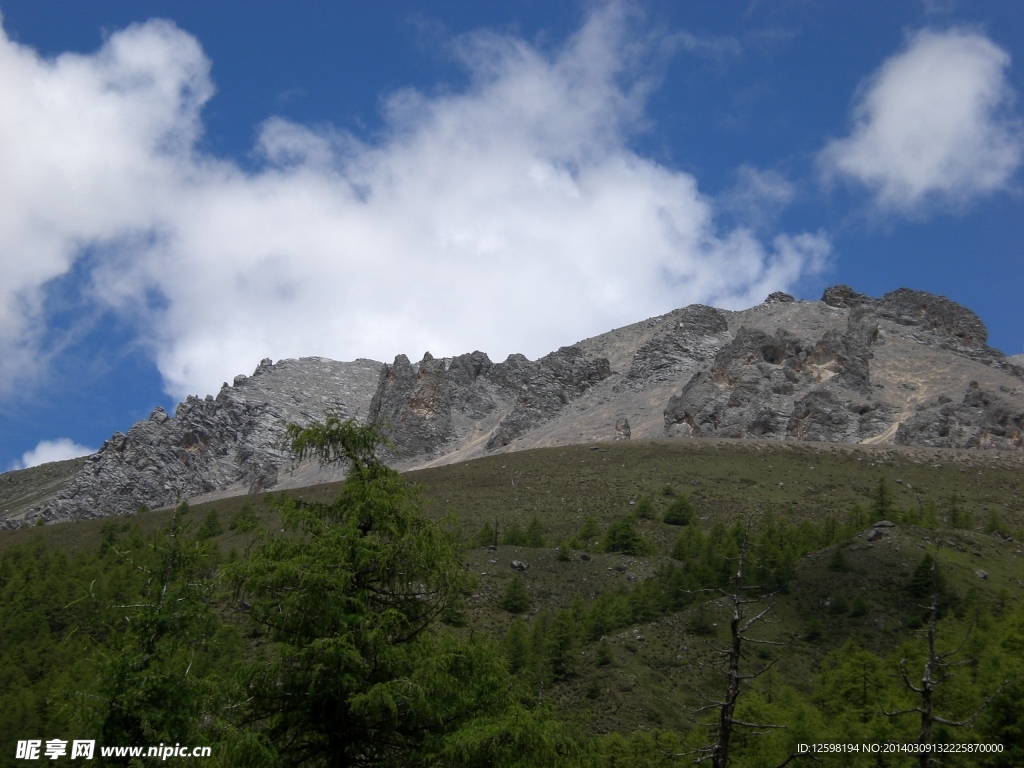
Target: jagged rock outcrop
[[937, 314], [908, 368], [415, 404], [844, 297], [983, 419], [783, 386], [543, 388], [233, 439], [418, 404], [695, 336]]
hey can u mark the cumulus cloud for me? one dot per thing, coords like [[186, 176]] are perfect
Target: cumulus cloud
[[52, 450], [933, 124], [511, 216]]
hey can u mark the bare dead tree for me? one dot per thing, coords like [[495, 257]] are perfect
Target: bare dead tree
[[740, 625], [935, 672]]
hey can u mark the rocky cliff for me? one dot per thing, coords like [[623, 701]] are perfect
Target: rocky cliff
[[231, 442], [909, 368]]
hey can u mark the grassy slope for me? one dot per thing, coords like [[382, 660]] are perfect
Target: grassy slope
[[657, 667]]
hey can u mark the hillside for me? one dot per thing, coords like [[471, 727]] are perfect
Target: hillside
[[907, 369], [640, 658]]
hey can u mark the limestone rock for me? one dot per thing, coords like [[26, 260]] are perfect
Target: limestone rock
[[695, 335], [783, 386], [543, 388], [212, 443], [415, 404], [844, 296], [908, 368], [622, 431], [933, 313], [983, 419]]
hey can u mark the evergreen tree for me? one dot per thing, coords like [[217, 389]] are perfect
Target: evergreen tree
[[487, 535], [838, 561], [645, 508], [934, 675], [356, 671], [622, 537], [516, 646], [535, 533], [515, 598], [515, 536], [561, 645], [589, 532], [149, 633], [882, 503], [211, 526], [679, 512]]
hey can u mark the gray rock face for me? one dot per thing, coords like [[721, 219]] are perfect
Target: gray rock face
[[956, 326], [543, 388], [419, 405], [697, 333], [783, 386], [212, 443], [622, 430], [908, 368], [416, 404], [983, 419], [934, 313]]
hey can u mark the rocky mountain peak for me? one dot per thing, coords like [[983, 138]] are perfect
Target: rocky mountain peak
[[909, 368]]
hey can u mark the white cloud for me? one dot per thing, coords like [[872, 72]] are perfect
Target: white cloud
[[758, 196], [52, 450], [511, 216], [932, 125]]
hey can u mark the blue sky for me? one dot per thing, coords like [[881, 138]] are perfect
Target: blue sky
[[189, 187]]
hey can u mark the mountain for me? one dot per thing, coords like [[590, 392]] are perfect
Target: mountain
[[909, 368]]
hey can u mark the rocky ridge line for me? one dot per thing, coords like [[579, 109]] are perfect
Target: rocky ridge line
[[231, 440], [908, 368]]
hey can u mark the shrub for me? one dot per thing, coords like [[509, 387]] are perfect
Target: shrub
[[244, 520], [535, 533], [516, 599], [589, 532], [994, 523], [645, 508], [859, 607], [838, 605], [515, 536], [679, 512], [211, 526], [838, 561], [622, 537], [487, 535]]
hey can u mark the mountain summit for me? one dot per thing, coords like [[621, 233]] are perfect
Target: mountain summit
[[909, 368]]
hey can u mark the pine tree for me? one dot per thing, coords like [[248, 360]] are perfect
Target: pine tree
[[356, 670], [623, 538], [882, 503], [535, 533], [679, 512], [515, 598]]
